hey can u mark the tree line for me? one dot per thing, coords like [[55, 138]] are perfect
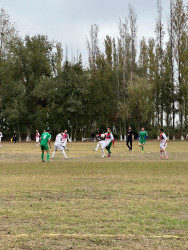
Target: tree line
[[130, 82]]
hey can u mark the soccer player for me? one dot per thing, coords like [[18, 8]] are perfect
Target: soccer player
[[130, 138], [14, 136], [1, 135], [107, 143], [37, 137], [143, 135], [45, 144], [58, 145], [65, 139], [163, 144]]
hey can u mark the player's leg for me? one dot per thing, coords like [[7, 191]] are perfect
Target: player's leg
[[97, 147], [42, 154], [104, 144], [108, 149], [63, 152], [103, 153], [141, 145], [165, 153], [131, 145], [55, 150], [128, 145], [48, 155], [161, 153]]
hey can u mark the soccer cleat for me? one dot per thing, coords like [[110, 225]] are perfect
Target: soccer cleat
[[67, 158], [52, 158], [43, 161], [142, 152], [66, 149], [109, 155], [160, 158], [103, 156], [166, 157], [94, 149]]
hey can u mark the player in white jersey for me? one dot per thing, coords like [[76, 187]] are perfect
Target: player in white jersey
[[107, 143], [163, 144], [65, 139], [58, 145], [1, 135], [37, 137]]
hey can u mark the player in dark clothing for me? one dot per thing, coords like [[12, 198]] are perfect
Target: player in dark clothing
[[14, 136], [130, 138]]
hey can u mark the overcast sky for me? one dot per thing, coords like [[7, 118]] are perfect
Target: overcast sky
[[69, 21]]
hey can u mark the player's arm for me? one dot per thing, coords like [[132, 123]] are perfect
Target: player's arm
[[166, 139], [68, 138], [146, 136], [112, 138], [49, 142]]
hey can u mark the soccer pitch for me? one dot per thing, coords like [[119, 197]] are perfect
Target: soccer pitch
[[128, 201]]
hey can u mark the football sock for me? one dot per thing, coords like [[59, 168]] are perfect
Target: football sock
[[53, 154], [42, 155], [165, 153], [48, 157], [142, 148]]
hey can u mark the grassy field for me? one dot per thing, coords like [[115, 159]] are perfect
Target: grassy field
[[128, 201]]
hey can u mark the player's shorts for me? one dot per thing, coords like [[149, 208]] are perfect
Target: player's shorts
[[162, 146], [104, 144], [109, 145], [142, 141], [44, 147], [37, 139], [58, 146]]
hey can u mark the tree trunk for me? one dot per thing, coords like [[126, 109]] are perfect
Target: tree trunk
[[19, 136], [28, 138], [120, 132], [173, 120], [125, 130], [71, 134], [75, 132]]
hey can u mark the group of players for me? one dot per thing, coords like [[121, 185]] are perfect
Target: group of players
[[106, 140]]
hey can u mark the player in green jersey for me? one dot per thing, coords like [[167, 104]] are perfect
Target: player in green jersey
[[45, 143], [143, 135]]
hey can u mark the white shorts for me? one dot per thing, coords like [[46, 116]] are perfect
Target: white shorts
[[104, 144], [37, 139], [58, 146], [163, 146]]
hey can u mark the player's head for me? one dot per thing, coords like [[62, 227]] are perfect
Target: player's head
[[130, 128], [161, 130], [108, 130], [142, 129], [48, 130], [37, 131], [44, 130], [65, 131]]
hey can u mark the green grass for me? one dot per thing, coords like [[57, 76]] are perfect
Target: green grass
[[128, 201]]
